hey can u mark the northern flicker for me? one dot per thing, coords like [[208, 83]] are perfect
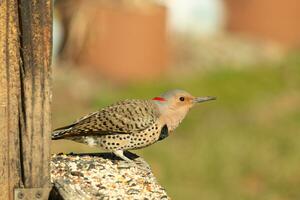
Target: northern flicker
[[131, 124]]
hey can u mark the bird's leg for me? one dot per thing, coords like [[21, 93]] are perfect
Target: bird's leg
[[130, 162], [120, 154]]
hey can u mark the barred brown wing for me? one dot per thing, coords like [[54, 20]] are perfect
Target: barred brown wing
[[123, 117]]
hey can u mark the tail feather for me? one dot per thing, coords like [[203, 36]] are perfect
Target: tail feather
[[60, 132]]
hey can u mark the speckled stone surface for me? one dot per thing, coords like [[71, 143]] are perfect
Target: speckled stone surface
[[103, 176]]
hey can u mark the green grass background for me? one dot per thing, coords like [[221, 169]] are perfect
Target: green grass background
[[245, 145]]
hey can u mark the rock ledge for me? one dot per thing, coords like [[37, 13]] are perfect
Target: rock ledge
[[102, 176]]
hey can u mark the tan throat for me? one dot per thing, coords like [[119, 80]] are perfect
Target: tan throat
[[173, 119]]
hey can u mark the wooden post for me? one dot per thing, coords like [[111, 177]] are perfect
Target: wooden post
[[25, 93]]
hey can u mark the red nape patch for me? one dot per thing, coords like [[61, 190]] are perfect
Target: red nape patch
[[159, 99]]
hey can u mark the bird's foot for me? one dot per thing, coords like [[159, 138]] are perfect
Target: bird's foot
[[128, 162]]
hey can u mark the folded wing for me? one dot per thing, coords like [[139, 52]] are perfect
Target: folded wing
[[123, 117]]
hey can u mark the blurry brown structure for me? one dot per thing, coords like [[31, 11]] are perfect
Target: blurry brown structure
[[276, 21], [121, 41]]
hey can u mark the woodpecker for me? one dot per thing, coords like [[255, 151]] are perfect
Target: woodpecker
[[131, 124]]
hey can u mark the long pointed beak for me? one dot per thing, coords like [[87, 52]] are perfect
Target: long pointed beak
[[203, 99]]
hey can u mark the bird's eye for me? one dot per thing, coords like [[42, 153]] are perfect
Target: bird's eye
[[181, 98]]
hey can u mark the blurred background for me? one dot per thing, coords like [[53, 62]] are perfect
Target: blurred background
[[245, 145]]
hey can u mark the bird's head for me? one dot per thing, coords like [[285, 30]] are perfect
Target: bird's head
[[179, 100], [177, 103]]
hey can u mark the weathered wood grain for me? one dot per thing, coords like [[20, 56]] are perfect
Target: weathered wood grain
[[25, 92], [10, 165], [36, 31]]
